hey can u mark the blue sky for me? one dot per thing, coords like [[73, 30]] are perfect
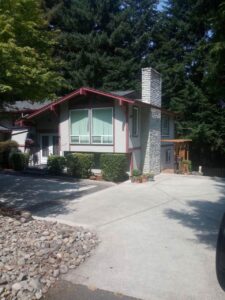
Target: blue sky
[[160, 5]]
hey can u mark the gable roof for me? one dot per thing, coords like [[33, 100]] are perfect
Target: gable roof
[[120, 96], [81, 91], [23, 106], [4, 129]]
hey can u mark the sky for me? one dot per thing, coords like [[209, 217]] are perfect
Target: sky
[[160, 5]]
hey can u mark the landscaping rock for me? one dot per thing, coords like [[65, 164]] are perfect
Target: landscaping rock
[[34, 253]]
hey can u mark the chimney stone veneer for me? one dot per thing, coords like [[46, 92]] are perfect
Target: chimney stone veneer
[[151, 121]]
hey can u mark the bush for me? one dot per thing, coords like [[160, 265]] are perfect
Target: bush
[[72, 165], [136, 173], [27, 158], [114, 167], [188, 163], [17, 161], [80, 164], [6, 148], [86, 163], [56, 164]]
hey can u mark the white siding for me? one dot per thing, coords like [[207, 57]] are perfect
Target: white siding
[[64, 128], [19, 136], [120, 129], [134, 141]]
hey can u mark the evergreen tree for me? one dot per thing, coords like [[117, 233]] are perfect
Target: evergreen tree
[[184, 52], [103, 42], [27, 70]]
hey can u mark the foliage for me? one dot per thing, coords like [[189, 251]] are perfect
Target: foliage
[[80, 164], [17, 160], [56, 164], [114, 167], [27, 69], [85, 163], [188, 163], [103, 43], [72, 165], [6, 148], [136, 172], [189, 51]]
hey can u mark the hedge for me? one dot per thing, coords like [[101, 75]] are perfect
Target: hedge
[[6, 148], [80, 164], [114, 167], [56, 164], [17, 161]]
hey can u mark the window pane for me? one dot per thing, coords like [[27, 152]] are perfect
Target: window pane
[[102, 126], [135, 122], [165, 125], [55, 141], [79, 126], [75, 139], [45, 145]]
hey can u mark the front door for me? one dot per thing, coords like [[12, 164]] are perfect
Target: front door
[[49, 146]]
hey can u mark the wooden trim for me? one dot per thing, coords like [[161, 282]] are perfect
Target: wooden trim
[[127, 127], [131, 164]]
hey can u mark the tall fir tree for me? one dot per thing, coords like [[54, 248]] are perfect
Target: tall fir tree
[[183, 53], [103, 42]]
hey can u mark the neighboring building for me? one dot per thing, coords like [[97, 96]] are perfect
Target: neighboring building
[[89, 120]]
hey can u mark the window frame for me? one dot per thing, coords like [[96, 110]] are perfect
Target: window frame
[[70, 124], [90, 126], [165, 131], [135, 133]]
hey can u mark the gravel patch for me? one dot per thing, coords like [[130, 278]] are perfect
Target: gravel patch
[[34, 253]]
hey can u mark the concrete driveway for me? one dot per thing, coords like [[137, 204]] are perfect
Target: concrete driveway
[[158, 238], [45, 197]]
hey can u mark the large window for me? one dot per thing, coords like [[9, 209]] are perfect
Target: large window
[[135, 121], [80, 133], [93, 126], [102, 126], [165, 126]]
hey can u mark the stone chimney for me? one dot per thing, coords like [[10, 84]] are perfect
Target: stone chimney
[[151, 86], [151, 121]]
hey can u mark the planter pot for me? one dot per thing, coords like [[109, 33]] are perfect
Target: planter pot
[[136, 179], [144, 179]]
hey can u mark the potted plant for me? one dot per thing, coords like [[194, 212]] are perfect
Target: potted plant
[[136, 176]]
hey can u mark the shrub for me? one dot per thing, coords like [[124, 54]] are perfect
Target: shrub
[[72, 165], [80, 164], [136, 173], [114, 167], [6, 148], [86, 163], [27, 158], [56, 164], [17, 160], [188, 163]]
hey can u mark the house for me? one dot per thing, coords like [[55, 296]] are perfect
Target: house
[[90, 120], [10, 113]]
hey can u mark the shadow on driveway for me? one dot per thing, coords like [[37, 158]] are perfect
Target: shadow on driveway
[[44, 197], [204, 217]]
